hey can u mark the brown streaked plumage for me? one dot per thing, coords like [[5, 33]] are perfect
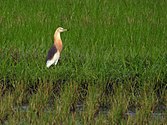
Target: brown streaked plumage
[[54, 52]]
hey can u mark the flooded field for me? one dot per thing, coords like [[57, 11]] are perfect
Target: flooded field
[[71, 103]]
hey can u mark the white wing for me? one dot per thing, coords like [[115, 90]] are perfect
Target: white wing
[[53, 60]]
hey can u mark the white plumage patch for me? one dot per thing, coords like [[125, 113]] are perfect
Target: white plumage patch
[[54, 60]]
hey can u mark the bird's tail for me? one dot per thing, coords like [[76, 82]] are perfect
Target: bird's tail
[[49, 63]]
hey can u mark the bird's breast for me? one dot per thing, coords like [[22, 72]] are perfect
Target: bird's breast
[[59, 45]]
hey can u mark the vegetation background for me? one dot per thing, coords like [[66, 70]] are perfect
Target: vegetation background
[[112, 70]]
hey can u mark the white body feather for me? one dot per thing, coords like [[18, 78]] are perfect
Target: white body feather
[[54, 60]]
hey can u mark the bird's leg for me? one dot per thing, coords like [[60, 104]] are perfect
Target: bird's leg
[[56, 61]]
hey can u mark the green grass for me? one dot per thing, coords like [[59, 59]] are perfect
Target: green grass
[[114, 56]]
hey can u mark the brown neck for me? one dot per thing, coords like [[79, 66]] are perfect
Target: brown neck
[[58, 41]]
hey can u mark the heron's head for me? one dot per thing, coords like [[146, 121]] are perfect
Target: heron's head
[[60, 29]]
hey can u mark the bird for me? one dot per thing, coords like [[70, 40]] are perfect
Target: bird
[[55, 51]]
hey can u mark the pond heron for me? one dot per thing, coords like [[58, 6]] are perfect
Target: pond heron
[[54, 52]]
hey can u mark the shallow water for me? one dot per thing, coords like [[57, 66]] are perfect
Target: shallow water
[[158, 115], [104, 110]]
